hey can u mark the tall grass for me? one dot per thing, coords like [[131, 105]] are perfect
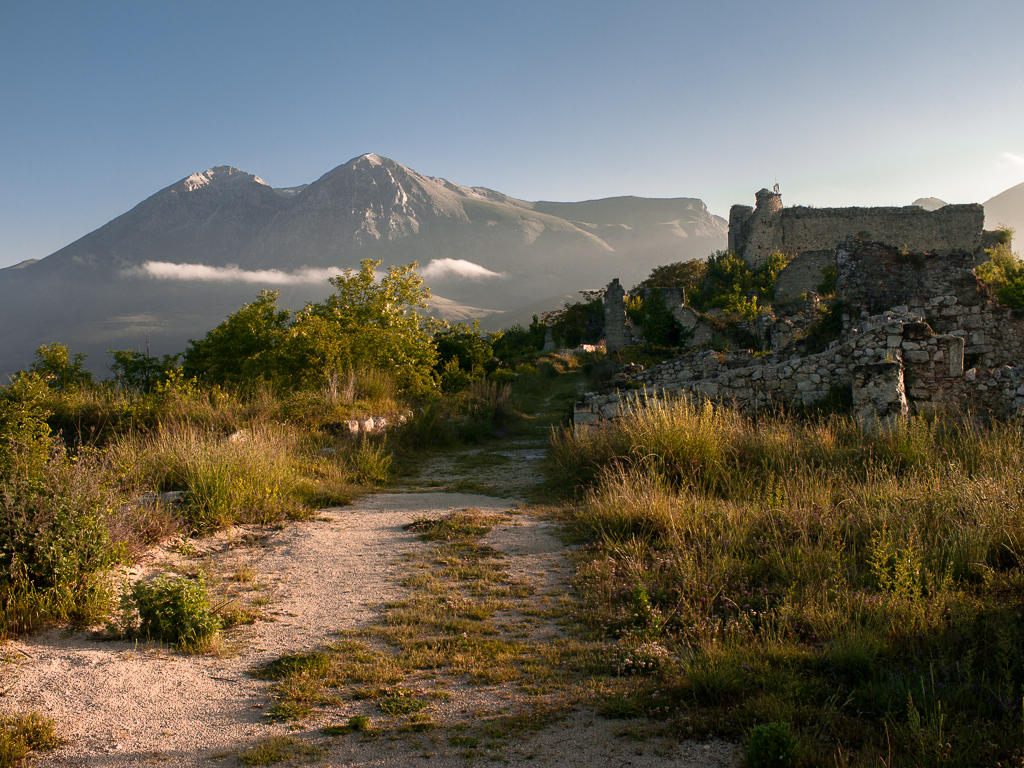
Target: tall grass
[[864, 588]]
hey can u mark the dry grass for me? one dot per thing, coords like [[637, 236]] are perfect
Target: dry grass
[[864, 588]]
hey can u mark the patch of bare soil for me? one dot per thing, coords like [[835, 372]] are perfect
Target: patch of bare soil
[[119, 703]]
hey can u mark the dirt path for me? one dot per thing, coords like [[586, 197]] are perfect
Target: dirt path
[[126, 704]]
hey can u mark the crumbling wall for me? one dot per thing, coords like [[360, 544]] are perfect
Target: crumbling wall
[[950, 229], [940, 289], [931, 364], [804, 273], [615, 316], [756, 233], [874, 277]]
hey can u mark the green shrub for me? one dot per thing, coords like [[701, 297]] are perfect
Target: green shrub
[[56, 542], [175, 611], [24, 433], [771, 746], [22, 734]]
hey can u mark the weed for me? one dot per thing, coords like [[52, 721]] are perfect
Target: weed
[[398, 701], [277, 749], [172, 610], [771, 746], [22, 734], [316, 664]]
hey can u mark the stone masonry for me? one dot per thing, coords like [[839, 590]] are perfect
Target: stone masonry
[[918, 312]]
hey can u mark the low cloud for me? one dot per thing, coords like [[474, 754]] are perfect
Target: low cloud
[[163, 270], [441, 268], [1014, 159]]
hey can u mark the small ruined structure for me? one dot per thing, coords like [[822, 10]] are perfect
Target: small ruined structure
[[921, 333], [809, 235]]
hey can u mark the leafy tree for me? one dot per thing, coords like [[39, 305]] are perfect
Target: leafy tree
[[61, 370], [243, 348], [578, 323], [730, 279], [24, 433], [688, 275], [517, 343], [371, 324], [365, 323], [139, 372], [466, 345]]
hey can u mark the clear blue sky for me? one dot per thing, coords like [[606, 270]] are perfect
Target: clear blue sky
[[866, 103]]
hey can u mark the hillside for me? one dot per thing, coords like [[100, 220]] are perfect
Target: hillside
[[1007, 208], [174, 265]]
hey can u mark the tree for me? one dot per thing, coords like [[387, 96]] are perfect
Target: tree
[[688, 275], [368, 323], [139, 371], [61, 370], [365, 323], [244, 348]]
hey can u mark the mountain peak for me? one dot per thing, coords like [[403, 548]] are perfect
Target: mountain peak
[[217, 178]]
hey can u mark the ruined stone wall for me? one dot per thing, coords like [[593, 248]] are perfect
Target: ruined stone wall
[[940, 289], [874, 277], [932, 367], [803, 274], [755, 233], [739, 227], [951, 229], [615, 316]]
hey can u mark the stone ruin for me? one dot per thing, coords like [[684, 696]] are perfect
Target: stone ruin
[[920, 332]]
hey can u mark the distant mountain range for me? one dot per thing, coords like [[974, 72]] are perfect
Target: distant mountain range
[[176, 264], [1007, 208]]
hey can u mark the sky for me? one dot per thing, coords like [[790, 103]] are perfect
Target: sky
[[102, 104]]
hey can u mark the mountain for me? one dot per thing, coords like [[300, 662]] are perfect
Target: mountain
[[930, 203], [177, 263], [1007, 208]]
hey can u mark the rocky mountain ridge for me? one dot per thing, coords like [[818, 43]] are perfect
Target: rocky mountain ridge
[[483, 251]]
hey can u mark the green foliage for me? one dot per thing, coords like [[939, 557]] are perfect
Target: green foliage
[[729, 280], [1004, 234], [137, 371], [771, 745], [61, 370], [365, 323], [56, 543], [277, 749], [24, 433], [371, 324], [1004, 275], [688, 275], [827, 286], [517, 344], [660, 327], [22, 734], [400, 702], [578, 323], [175, 611], [463, 355], [246, 347]]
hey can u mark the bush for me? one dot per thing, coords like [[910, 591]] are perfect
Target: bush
[[366, 324], [56, 542], [24, 433], [771, 746], [517, 344], [175, 611], [21, 734]]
